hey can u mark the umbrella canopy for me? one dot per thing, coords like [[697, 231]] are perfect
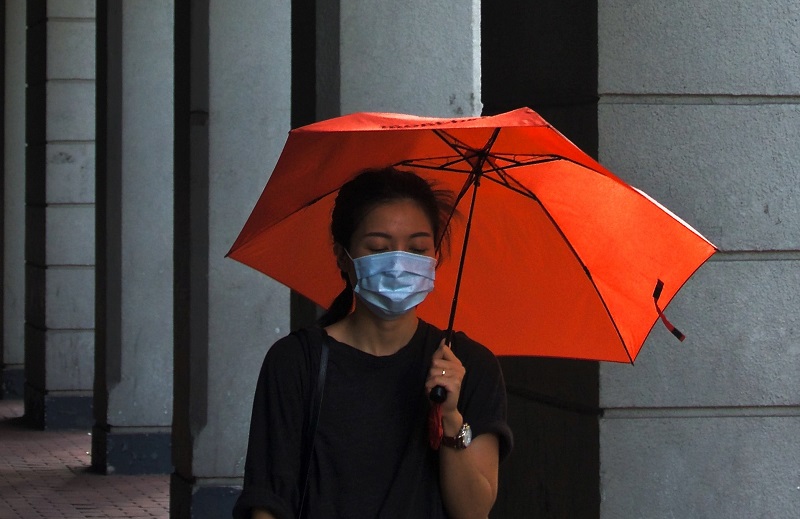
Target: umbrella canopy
[[563, 258]]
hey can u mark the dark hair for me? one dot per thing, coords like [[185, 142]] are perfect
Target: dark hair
[[374, 187]]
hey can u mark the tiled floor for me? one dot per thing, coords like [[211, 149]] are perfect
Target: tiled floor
[[45, 474]]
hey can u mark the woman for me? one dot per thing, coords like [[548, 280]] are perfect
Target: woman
[[372, 456]]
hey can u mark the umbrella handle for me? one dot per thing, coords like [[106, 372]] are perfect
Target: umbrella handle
[[438, 395]]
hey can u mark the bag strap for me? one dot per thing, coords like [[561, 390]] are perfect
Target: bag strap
[[314, 412]]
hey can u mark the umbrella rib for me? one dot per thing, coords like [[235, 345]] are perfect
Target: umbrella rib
[[436, 167], [483, 155], [504, 179], [492, 159], [525, 191], [588, 275], [460, 147], [237, 246], [469, 181]]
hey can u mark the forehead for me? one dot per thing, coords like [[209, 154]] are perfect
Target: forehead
[[396, 216]]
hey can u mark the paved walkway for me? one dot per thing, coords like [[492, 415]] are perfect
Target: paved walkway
[[45, 474]]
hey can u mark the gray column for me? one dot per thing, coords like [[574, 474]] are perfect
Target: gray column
[[59, 277], [232, 118], [12, 343], [700, 107], [238, 80], [133, 359], [2, 185], [411, 56]]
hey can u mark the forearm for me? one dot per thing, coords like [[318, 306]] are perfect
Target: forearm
[[259, 513], [468, 477]]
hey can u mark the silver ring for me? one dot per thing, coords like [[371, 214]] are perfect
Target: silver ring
[[443, 372]]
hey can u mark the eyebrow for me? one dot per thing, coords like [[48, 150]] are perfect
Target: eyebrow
[[378, 234]]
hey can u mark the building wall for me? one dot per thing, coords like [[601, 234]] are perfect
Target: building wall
[[699, 107], [59, 214], [12, 350], [132, 400], [232, 86]]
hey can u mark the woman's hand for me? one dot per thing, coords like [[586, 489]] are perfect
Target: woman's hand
[[468, 477], [446, 371]]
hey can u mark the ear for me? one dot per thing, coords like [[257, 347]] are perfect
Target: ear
[[343, 261]]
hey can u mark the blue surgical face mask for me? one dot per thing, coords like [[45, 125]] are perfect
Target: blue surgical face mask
[[392, 283]]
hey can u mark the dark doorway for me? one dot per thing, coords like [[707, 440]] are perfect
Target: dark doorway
[[544, 55]]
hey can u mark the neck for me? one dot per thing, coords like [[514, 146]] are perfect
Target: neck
[[367, 332]]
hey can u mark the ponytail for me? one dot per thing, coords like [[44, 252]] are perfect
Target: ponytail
[[340, 307]]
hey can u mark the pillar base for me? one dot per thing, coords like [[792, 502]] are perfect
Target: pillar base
[[12, 382], [190, 500], [51, 411], [118, 450]]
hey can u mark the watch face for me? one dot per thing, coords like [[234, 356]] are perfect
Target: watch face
[[466, 435]]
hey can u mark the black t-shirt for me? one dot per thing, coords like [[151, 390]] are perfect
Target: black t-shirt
[[371, 456]]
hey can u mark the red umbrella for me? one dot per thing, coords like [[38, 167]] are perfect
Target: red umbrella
[[564, 258]]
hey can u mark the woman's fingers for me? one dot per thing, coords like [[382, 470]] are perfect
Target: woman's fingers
[[446, 371]]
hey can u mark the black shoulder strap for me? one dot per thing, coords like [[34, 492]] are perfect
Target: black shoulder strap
[[313, 419]]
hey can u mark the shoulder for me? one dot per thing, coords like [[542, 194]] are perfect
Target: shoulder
[[298, 349], [290, 362], [472, 353], [286, 348]]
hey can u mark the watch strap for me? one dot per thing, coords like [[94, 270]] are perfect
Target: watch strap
[[457, 441]]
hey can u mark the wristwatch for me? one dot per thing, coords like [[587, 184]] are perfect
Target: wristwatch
[[460, 440]]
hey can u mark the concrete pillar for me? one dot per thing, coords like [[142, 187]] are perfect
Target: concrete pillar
[[700, 107], [2, 184], [12, 351], [226, 316], [133, 358], [59, 277], [410, 56], [232, 118]]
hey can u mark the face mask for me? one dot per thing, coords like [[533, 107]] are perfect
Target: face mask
[[392, 283]]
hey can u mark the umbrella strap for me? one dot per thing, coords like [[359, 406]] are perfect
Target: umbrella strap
[[656, 294], [435, 428]]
